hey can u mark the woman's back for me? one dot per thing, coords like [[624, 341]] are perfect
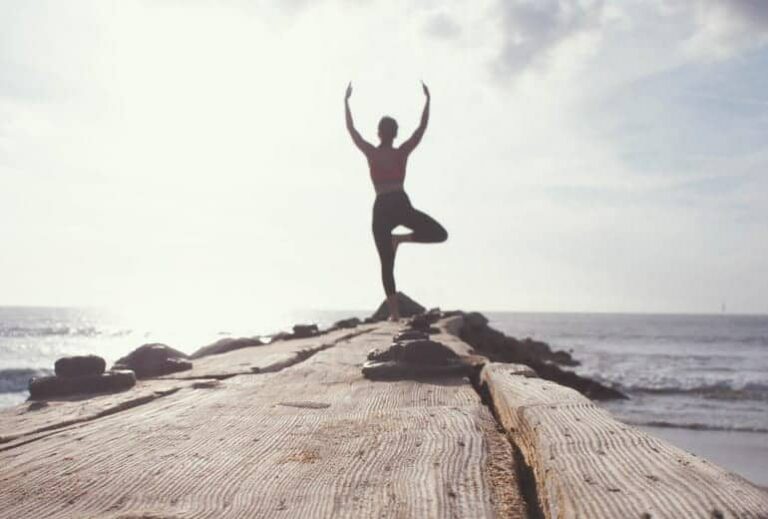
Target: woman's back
[[387, 164]]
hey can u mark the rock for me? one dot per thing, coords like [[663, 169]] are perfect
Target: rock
[[392, 370], [409, 335], [427, 352], [408, 308], [154, 360], [302, 331], [281, 336], [453, 325], [475, 320], [535, 354], [55, 386], [587, 387], [417, 359], [176, 365], [564, 358], [80, 366], [393, 352], [225, 345], [420, 351], [537, 348], [424, 320], [422, 323], [436, 312], [352, 322]]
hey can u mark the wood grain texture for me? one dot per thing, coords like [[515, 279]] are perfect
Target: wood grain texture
[[588, 465], [265, 358], [313, 440], [32, 418]]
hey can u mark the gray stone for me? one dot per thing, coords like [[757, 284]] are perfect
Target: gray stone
[[410, 335], [302, 331], [281, 336], [80, 366], [54, 386], [427, 352], [416, 352], [392, 370], [352, 322], [154, 360], [475, 320], [225, 345]]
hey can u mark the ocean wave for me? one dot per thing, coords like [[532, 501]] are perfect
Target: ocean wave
[[63, 330], [721, 391], [695, 426], [681, 339], [17, 379]]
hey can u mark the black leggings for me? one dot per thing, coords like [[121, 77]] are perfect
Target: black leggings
[[389, 211]]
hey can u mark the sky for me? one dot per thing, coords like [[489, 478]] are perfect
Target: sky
[[584, 155]]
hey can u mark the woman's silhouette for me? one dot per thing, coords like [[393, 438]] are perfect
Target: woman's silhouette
[[392, 206]]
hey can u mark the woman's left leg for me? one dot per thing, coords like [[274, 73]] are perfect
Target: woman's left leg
[[425, 229]]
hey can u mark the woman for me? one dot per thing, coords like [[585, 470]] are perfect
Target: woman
[[392, 206]]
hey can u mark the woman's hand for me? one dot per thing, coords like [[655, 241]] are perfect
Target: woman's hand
[[423, 86], [349, 92]]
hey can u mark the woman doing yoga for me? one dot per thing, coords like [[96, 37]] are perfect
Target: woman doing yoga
[[392, 206]]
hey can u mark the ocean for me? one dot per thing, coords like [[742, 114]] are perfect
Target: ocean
[[698, 381]]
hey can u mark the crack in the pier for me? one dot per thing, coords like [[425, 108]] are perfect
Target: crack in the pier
[[525, 476]]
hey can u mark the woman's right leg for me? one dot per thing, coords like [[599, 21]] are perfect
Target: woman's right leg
[[382, 235]]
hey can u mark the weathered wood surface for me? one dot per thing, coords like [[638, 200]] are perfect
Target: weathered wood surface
[[265, 358], [19, 422], [588, 465], [312, 440], [24, 420]]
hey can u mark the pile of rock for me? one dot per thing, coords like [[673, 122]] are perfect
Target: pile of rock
[[424, 321], [413, 355], [491, 344], [499, 347], [502, 348], [154, 360], [80, 374]]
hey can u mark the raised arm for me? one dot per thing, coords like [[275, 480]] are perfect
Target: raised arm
[[415, 139], [356, 137]]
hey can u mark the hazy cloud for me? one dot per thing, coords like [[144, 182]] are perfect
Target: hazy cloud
[[724, 27], [442, 26], [753, 10], [533, 28]]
